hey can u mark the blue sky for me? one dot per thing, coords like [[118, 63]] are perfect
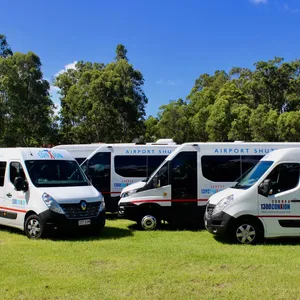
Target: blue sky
[[170, 42]]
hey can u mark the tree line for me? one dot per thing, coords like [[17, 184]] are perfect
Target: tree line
[[106, 103]]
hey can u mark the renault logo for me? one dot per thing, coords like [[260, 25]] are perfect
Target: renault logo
[[83, 205]]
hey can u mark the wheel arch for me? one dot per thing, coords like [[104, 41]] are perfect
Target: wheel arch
[[250, 218]]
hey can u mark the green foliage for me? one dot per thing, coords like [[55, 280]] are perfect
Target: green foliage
[[102, 103], [4, 47], [26, 108], [288, 126]]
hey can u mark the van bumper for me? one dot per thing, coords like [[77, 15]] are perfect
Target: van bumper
[[128, 211], [218, 224], [53, 220]]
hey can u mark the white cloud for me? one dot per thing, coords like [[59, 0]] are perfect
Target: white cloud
[[67, 67], [291, 10], [259, 1], [169, 82], [57, 109]]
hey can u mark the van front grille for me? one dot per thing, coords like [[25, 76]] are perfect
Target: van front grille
[[75, 211]]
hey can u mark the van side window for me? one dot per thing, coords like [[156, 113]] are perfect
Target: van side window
[[131, 166], [284, 177], [2, 172], [221, 168], [16, 170]]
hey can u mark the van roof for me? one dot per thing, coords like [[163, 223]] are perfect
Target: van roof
[[287, 154], [34, 154]]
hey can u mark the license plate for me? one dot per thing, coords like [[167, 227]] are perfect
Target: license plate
[[205, 223], [84, 222]]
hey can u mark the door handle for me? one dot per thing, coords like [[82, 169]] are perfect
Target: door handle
[[9, 195]]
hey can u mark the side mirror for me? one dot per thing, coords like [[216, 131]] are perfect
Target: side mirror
[[20, 184], [265, 187]]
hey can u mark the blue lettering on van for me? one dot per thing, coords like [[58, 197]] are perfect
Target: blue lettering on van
[[120, 185], [148, 151], [269, 206], [262, 151], [18, 202]]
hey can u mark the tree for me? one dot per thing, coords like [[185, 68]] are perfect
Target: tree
[[5, 50], [151, 129], [25, 96], [121, 53], [263, 123], [174, 121], [102, 102], [288, 127]]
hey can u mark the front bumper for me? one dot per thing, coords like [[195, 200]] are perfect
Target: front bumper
[[54, 220], [128, 211], [218, 224]]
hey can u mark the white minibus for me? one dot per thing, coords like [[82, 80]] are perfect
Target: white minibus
[[43, 188], [178, 190], [111, 167], [265, 203], [79, 151]]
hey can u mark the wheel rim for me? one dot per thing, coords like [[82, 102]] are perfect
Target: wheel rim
[[245, 234], [148, 222], [34, 228]]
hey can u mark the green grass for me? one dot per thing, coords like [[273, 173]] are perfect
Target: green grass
[[128, 263]]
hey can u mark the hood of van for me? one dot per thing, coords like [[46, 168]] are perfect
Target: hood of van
[[73, 194], [216, 198], [134, 186]]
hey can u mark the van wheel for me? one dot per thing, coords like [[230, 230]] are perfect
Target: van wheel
[[149, 222], [34, 227], [247, 231]]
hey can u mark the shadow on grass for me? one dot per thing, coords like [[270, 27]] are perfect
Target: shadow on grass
[[287, 241], [168, 227], [107, 232]]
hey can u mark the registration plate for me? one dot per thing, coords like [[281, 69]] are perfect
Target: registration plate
[[205, 223], [84, 222]]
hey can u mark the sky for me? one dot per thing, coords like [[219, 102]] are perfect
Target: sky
[[171, 42]]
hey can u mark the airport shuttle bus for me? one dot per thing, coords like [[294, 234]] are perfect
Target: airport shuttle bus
[[263, 204], [111, 167], [178, 191]]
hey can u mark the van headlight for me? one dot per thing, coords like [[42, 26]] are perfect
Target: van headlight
[[52, 204], [102, 204], [129, 193], [222, 204]]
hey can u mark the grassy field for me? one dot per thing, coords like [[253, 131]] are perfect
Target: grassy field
[[127, 263]]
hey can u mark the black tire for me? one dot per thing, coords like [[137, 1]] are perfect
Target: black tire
[[34, 227], [149, 221], [247, 231]]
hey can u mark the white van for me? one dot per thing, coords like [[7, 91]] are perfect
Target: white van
[[111, 167], [79, 151], [45, 187], [265, 203], [179, 189]]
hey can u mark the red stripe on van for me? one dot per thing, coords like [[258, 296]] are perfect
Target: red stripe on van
[[278, 216], [107, 193], [170, 200], [13, 209]]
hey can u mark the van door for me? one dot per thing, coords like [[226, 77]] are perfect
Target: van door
[[280, 210], [2, 191], [183, 178], [15, 201], [99, 172]]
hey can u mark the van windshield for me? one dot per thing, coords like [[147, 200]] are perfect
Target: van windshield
[[56, 173], [250, 178], [155, 172]]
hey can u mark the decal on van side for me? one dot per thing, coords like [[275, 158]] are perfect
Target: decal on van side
[[243, 150], [49, 154]]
